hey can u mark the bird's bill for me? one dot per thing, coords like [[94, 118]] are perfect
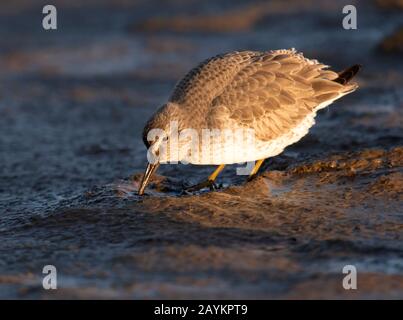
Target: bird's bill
[[151, 168]]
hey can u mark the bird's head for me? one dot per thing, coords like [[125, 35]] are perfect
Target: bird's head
[[156, 135]]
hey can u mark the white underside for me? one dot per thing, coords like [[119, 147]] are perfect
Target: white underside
[[237, 151], [244, 152]]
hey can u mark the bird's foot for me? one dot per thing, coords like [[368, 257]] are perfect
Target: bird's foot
[[251, 177], [205, 184]]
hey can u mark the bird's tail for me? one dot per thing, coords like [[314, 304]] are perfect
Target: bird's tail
[[346, 75]]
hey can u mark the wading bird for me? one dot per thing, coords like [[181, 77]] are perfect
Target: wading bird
[[276, 94]]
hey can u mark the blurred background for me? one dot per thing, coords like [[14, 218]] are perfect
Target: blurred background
[[73, 102]]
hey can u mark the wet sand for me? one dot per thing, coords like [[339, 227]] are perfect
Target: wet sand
[[73, 103]]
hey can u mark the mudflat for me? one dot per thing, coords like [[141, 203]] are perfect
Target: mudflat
[[73, 103]]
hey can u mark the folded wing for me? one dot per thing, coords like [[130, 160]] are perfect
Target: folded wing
[[273, 92]]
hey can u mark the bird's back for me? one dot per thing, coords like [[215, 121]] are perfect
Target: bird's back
[[270, 92], [209, 79]]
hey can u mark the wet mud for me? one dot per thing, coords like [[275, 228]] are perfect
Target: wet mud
[[73, 104]]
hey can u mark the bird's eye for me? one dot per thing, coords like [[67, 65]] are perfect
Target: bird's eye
[[165, 138]]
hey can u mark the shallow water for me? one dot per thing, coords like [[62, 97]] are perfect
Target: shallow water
[[73, 104]]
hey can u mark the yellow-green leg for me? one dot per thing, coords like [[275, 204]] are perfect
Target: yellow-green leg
[[255, 169], [209, 182]]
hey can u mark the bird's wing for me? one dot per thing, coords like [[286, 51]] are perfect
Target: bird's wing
[[274, 93], [209, 79]]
